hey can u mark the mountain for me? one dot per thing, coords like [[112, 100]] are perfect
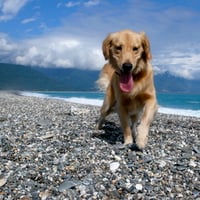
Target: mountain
[[85, 80], [18, 77], [168, 83], [72, 78]]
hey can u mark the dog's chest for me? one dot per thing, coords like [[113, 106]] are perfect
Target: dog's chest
[[133, 105]]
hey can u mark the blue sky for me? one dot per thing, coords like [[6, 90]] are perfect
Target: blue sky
[[62, 33]]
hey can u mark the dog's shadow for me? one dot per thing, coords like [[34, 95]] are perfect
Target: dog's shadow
[[111, 133]]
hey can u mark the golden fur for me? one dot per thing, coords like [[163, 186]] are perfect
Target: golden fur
[[129, 58]]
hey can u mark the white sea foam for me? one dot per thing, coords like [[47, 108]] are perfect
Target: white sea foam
[[86, 101], [98, 102], [34, 94], [173, 111], [184, 112]]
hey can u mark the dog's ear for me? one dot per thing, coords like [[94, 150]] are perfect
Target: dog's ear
[[106, 46], [146, 46]]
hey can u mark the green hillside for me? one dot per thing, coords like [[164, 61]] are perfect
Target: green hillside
[[168, 83], [17, 77], [72, 78]]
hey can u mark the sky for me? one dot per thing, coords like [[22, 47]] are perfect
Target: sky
[[62, 33]]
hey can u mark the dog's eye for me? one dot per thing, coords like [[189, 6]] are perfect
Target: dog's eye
[[119, 48], [135, 48]]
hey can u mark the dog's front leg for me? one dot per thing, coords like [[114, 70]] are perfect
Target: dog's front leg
[[107, 106], [125, 124], [143, 129]]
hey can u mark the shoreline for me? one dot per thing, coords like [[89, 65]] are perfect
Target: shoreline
[[49, 148], [97, 102]]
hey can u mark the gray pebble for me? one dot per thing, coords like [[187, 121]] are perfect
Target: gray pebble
[[67, 184]]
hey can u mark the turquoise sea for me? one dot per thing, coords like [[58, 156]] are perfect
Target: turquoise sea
[[179, 104]]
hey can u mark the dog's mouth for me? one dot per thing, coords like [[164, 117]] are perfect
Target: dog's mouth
[[126, 81]]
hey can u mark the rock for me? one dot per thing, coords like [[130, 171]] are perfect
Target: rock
[[162, 164], [192, 163], [196, 150], [130, 187], [120, 184], [3, 181], [47, 136], [114, 166], [44, 195], [67, 184], [82, 189], [77, 110], [197, 186], [139, 187], [3, 118]]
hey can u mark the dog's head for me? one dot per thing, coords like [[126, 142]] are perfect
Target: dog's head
[[126, 49], [128, 52]]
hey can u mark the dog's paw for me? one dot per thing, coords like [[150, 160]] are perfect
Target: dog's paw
[[134, 147], [142, 137], [99, 123], [98, 126], [141, 141], [128, 140]]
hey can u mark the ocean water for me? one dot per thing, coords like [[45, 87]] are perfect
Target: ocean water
[[179, 104]]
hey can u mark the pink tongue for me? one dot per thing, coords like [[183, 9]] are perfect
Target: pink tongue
[[126, 82]]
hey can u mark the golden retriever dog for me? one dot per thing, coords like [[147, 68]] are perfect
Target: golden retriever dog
[[128, 81]]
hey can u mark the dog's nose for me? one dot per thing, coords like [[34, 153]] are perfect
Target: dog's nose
[[127, 67]]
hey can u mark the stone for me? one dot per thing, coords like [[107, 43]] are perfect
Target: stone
[[162, 164], [3, 181], [67, 184], [139, 187], [114, 166]]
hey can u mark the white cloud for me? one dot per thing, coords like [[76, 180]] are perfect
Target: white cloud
[[57, 51], [8, 49], [91, 3], [28, 20], [5, 45], [10, 8], [72, 4], [183, 61]]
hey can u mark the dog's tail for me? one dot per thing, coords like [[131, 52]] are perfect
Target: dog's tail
[[103, 82], [105, 77]]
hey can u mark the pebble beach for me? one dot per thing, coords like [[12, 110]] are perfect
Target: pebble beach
[[50, 149]]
